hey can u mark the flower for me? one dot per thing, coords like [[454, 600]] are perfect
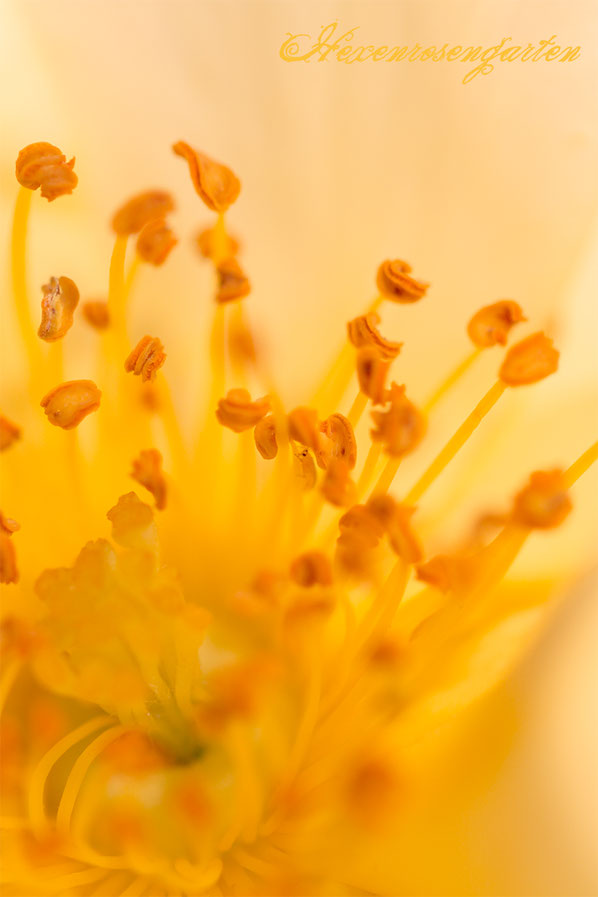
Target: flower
[[202, 678]]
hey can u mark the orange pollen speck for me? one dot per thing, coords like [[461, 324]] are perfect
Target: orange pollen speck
[[395, 283], [59, 302], [147, 470], [44, 165], [372, 371], [9, 433], [401, 427], [544, 502], [529, 361], [237, 412], [155, 242], [131, 217], [310, 569], [492, 323], [146, 358], [67, 404], [265, 437], [363, 332], [96, 313], [216, 184], [232, 282]]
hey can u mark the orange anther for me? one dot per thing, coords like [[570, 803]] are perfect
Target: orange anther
[[401, 427], [265, 437], [363, 332], [372, 372], [8, 559], [43, 165], [205, 243], [337, 487], [238, 412], [59, 302], [9, 433], [338, 429], [215, 183], [131, 217], [8, 525], [395, 283], [544, 502], [232, 282], [396, 520], [311, 568], [529, 361], [67, 404], [304, 427], [492, 323], [147, 470], [96, 313], [155, 242], [146, 358]]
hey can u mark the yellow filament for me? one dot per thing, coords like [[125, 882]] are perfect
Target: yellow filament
[[19, 275], [580, 466], [79, 771], [308, 719], [357, 409], [369, 468], [76, 880], [7, 681], [220, 240], [456, 442], [117, 294], [40, 774], [248, 793], [387, 476], [452, 379]]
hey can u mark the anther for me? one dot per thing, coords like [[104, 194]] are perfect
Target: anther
[[59, 302], [214, 182], [544, 502], [265, 437], [131, 217], [147, 470], [343, 445], [239, 413], [337, 486], [146, 358], [9, 433], [401, 427], [395, 283], [492, 323], [232, 282], [67, 404], [43, 165], [362, 332], [8, 558], [205, 242], [310, 569], [446, 572], [132, 522], [155, 242], [372, 371], [529, 361], [305, 468], [396, 520], [304, 427], [96, 313], [8, 525]]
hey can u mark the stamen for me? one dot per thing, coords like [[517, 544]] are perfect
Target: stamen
[[59, 302], [310, 569], [579, 467], [8, 525], [395, 283], [337, 487], [343, 445], [96, 313], [372, 372], [44, 165], [265, 437], [19, 274], [363, 332], [491, 325], [232, 281], [206, 240], [146, 359], [147, 470], [142, 208], [400, 429], [215, 183], [8, 557], [396, 520], [9, 433], [544, 502], [66, 405], [155, 242], [459, 371], [239, 413], [529, 361]]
